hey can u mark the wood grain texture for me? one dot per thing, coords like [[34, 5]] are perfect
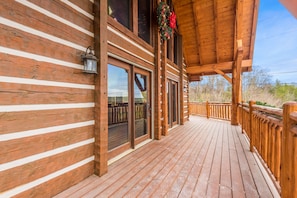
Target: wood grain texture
[[204, 157]]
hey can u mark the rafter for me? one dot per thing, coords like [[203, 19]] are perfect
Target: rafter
[[254, 27], [195, 15], [215, 12], [238, 25], [219, 66]]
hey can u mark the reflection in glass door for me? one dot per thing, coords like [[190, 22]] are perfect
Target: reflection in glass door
[[118, 105], [141, 105], [129, 112], [172, 99]]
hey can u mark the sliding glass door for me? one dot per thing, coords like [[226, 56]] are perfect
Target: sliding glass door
[[129, 112], [142, 106]]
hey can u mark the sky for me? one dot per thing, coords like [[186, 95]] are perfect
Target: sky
[[276, 42]]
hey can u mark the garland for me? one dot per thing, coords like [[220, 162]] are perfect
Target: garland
[[166, 21]]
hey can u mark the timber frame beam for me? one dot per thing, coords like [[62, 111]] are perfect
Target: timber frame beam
[[219, 66], [224, 75]]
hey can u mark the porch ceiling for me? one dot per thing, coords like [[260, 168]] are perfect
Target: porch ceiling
[[211, 31]]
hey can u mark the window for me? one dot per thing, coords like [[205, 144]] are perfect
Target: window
[[174, 49], [136, 15], [121, 11], [144, 20]]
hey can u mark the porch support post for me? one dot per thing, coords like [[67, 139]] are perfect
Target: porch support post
[[101, 102], [164, 88], [182, 86], [288, 153], [158, 99], [236, 84]]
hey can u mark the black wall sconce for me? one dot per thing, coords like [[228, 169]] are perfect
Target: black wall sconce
[[90, 61]]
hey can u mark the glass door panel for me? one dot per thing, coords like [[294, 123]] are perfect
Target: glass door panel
[[142, 103], [172, 102], [118, 105]]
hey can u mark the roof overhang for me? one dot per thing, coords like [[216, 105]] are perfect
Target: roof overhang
[[211, 31], [291, 5]]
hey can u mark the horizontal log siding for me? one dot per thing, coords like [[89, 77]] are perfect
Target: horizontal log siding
[[46, 102], [127, 45]]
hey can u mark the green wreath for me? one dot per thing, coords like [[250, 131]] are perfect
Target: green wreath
[[163, 14]]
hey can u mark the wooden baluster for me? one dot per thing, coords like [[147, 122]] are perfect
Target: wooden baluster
[[207, 110], [269, 145], [265, 140], [252, 127], [278, 146], [288, 168]]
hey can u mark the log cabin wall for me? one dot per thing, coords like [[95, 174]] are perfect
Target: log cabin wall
[[46, 102]]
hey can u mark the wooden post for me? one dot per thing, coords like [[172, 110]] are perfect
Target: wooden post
[[288, 157], [158, 99], [181, 84], [164, 88], [101, 102], [251, 103], [207, 110], [236, 83]]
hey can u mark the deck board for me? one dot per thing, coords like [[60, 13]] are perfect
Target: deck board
[[203, 158]]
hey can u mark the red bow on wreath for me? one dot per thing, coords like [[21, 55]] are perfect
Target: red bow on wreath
[[172, 20]]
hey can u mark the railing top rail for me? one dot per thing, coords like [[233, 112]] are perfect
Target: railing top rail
[[293, 116], [244, 104], [212, 102], [221, 104], [269, 110]]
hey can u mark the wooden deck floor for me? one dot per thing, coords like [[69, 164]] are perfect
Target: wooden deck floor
[[203, 158]]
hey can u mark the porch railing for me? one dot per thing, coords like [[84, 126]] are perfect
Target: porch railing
[[272, 133], [211, 110]]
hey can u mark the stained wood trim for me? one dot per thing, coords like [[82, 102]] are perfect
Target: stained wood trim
[[157, 84], [101, 99], [164, 88], [135, 16]]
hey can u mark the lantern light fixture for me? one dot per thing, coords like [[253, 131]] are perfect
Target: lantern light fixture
[[90, 61]]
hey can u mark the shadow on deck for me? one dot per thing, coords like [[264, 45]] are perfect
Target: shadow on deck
[[203, 158]]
